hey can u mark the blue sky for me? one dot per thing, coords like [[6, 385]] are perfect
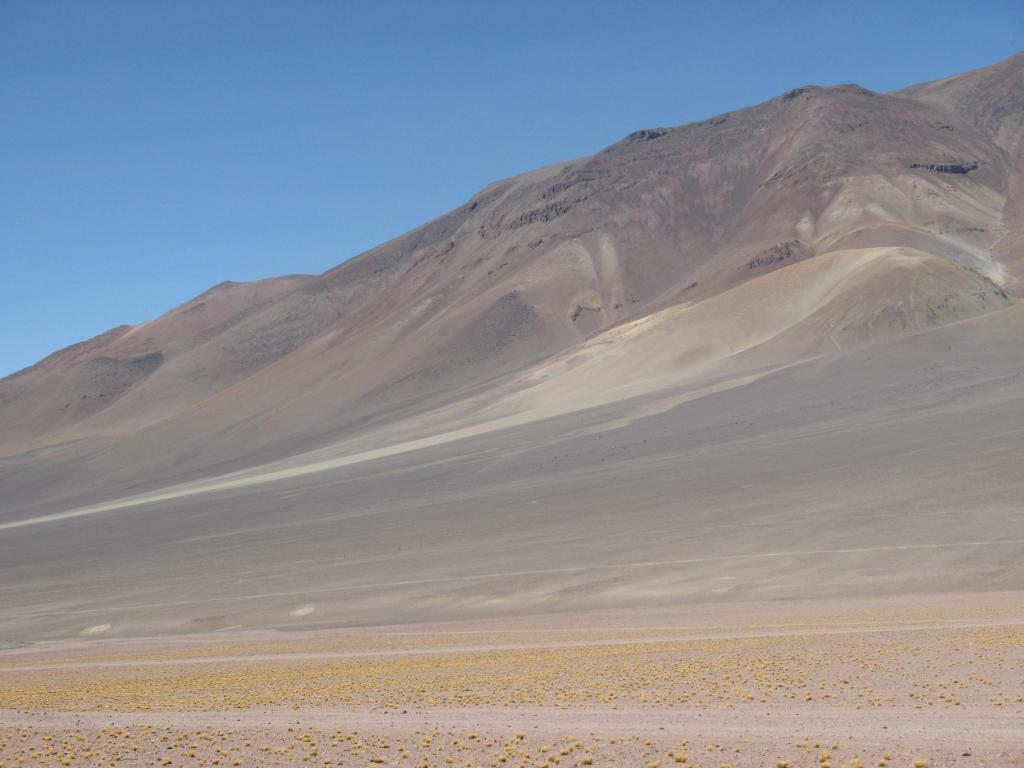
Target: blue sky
[[152, 149]]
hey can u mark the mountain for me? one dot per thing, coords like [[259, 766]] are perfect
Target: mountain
[[804, 310]]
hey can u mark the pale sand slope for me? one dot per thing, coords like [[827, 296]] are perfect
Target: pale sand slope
[[823, 305], [889, 469], [882, 681]]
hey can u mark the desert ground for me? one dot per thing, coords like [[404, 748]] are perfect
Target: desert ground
[[936, 680]]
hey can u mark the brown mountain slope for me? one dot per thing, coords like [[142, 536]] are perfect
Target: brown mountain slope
[[673, 265], [78, 382], [990, 99]]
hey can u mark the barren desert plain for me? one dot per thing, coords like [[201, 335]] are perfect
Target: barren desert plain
[[857, 682]]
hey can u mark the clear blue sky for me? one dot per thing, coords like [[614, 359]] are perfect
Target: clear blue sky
[[149, 150]]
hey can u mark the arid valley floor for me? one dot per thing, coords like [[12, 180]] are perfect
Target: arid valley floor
[[935, 681]]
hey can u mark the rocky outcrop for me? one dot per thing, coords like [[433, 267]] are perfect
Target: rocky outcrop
[[788, 251], [647, 134], [959, 168]]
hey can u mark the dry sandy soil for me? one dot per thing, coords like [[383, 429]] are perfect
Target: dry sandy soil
[[872, 682]]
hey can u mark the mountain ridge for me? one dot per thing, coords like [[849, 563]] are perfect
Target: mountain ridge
[[640, 134], [697, 261]]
